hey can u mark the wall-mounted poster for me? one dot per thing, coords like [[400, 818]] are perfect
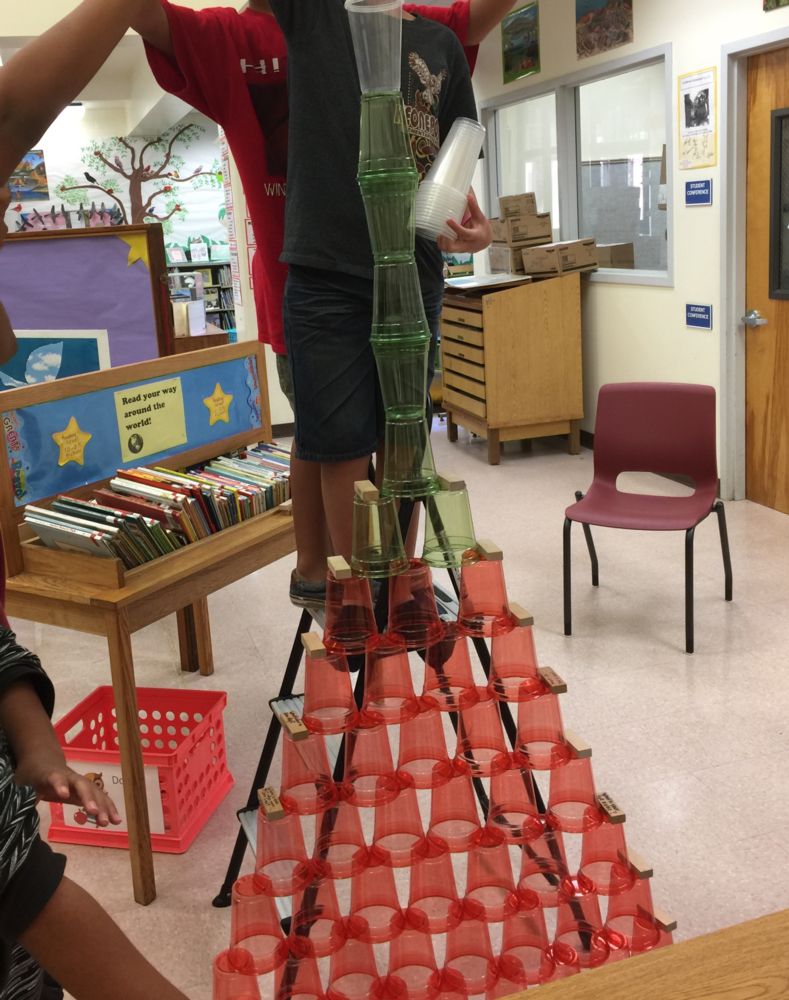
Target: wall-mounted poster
[[775, 4], [601, 25], [520, 42], [29, 181], [697, 113]]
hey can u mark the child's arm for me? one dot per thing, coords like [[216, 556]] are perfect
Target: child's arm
[[484, 15], [48, 73], [78, 944]]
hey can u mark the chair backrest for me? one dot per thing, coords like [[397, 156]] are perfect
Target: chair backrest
[[662, 427]]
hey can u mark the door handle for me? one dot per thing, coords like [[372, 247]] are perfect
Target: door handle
[[754, 318]]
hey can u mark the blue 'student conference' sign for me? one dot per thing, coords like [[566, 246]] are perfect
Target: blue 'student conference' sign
[[698, 316], [698, 192]]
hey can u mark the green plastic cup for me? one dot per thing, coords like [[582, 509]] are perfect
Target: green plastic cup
[[383, 135], [402, 373], [409, 468], [449, 529], [398, 312], [389, 200], [377, 544]]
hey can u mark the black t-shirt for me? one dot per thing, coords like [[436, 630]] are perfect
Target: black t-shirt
[[325, 225]]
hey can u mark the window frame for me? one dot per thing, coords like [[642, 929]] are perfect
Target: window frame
[[566, 90]]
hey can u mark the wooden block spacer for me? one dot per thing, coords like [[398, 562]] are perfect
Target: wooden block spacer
[[270, 803], [634, 861], [313, 645], [664, 921], [447, 481], [578, 746], [612, 811], [521, 615], [339, 568], [489, 550], [366, 491], [290, 722], [554, 683]]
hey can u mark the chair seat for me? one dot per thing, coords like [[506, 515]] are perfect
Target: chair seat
[[611, 508]]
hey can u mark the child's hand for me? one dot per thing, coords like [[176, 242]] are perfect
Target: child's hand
[[59, 783], [474, 234]]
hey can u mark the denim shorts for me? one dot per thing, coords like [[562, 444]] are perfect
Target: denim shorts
[[328, 319]]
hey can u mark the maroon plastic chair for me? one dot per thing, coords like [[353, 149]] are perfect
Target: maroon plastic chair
[[661, 427]]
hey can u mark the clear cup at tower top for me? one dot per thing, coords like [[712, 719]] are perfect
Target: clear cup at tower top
[[377, 33]]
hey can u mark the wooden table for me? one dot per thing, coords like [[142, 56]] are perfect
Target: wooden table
[[747, 962]]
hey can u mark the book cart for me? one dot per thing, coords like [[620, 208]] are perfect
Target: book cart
[[77, 432]]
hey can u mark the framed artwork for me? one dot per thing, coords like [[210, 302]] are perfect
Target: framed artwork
[[46, 355], [520, 42], [29, 181], [601, 25], [775, 4]]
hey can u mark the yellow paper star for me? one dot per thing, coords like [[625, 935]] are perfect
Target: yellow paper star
[[71, 442], [218, 404]]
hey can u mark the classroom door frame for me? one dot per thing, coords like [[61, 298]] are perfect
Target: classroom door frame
[[733, 180]]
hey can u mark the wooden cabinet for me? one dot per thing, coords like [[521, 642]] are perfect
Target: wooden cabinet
[[511, 362]]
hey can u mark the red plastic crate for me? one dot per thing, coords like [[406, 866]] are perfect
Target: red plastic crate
[[183, 745]]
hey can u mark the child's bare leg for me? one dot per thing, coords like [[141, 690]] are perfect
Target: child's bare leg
[[309, 519], [337, 479]]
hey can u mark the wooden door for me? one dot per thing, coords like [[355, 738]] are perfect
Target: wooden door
[[767, 346]]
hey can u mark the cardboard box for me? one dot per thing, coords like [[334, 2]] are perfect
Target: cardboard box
[[616, 255], [189, 318], [559, 258], [522, 230], [513, 205], [505, 259]]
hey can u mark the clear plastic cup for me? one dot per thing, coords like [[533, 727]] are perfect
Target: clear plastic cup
[[377, 34], [409, 466], [434, 205], [449, 529], [457, 159], [378, 550]]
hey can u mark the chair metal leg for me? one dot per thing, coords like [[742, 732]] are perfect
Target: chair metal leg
[[689, 590], [590, 546], [728, 586], [568, 610]]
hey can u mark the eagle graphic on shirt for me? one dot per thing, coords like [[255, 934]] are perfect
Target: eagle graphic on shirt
[[422, 98]]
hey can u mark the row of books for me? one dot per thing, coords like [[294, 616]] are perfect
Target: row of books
[[144, 513]]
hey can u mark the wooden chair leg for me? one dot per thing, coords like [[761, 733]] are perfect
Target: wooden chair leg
[[689, 590], [568, 608], [194, 638], [728, 581], [125, 692]]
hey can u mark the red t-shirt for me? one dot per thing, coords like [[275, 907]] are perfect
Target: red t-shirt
[[232, 67]]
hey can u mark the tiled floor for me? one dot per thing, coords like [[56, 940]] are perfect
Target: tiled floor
[[695, 748]]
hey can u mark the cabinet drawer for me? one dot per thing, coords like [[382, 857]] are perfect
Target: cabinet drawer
[[457, 349], [454, 400], [459, 333], [461, 367], [465, 385], [464, 317]]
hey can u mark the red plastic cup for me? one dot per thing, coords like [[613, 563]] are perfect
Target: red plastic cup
[[630, 924], [255, 924], [307, 786], [481, 747], [350, 622], [525, 949], [572, 805], [328, 695], [411, 959], [388, 691], [489, 881], [374, 902], [448, 675], [398, 836], [317, 920], [423, 759], [541, 733], [433, 903], [235, 977], [513, 806], [484, 609], [506, 984], [281, 861], [513, 666], [454, 814], [370, 778], [604, 859], [353, 971], [543, 867], [413, 614], [580, 938], [469, 962], [340, 848], [298, 977]]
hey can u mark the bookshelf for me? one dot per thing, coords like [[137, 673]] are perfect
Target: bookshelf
[[217, 288]]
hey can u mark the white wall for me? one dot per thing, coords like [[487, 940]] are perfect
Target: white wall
[[638, 332]]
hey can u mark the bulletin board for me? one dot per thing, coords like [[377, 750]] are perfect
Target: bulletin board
[[112, 280]]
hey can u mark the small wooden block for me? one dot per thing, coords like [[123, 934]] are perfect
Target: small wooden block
[[339, 568], [449, 482], [489, 550], [313, 645], [294, 726], [554, 683], [521, 615], [641, 867], [270, 803], [578, 746], [610, 808], [664, 921], [366, 491]]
